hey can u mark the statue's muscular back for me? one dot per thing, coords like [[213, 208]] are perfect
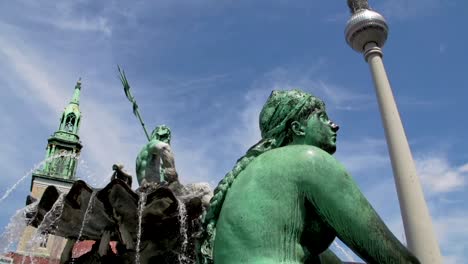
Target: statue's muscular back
[[148, 163], [266, 207], [276, 210]]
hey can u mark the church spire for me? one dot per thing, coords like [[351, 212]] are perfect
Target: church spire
[[76, 94], [64, 145], [59, 168], [70, 121]]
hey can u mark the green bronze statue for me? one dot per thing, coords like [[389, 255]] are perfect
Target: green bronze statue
[[155, 162], [288, 198]]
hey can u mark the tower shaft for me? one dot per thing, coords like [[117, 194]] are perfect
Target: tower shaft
[[366, 32], [417, 222]]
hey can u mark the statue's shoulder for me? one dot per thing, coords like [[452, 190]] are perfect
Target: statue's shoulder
[[157, 144], [302, 152], [306, 157]]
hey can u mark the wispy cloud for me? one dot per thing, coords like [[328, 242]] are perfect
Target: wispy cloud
[[441, 179], [336, 18], [248, 132], [309, 80], [373, 150], [97, 24], [442, 48], [452, 232], [363, 154], [213, 116], [449, 223], [439, 176], [73, 16], [11, 156], [49, 91], [409, 9], [37, 84]]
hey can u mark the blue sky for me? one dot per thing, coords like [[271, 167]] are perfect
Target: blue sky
[[205, 68]]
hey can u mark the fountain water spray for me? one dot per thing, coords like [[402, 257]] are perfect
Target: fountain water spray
[[85, 173], [36, 167], [89, 208], [141, 207], [16, 226], [183, 232], [50, 218]]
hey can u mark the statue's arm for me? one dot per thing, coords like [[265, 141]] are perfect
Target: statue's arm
[[167, 157], [339, 202], [164, 151]]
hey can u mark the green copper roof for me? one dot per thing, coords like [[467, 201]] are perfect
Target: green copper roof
[[70, 121], [64, 145], [76, 94]]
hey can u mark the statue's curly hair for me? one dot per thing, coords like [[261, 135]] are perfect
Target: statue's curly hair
[[154, 133], [280, 110]]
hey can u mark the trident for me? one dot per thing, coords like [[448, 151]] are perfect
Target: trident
[[130, 97]]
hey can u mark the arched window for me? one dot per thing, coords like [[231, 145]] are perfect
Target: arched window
[[70, 122]]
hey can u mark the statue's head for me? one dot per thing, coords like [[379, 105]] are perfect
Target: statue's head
[[162, 133], [294, 115]]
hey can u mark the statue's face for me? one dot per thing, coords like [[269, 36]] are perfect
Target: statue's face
[[163, 134], [321, 131]]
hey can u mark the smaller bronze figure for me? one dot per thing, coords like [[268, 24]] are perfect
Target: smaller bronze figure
[[120, 174]]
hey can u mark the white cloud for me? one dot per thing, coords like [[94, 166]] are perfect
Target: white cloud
[[107, 138], [442, 48], [37, 83], [67, 15], [463, 169], [102, 130], [11, 154], [97, 24], [451, 226], [309, 80], [441, 180], [449, 223], [363, 154], [452, 231], [194, 164], [248, 132], [439, 176], [406, 9]]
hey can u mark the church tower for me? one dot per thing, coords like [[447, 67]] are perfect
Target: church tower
[[63, 149], [63, 146]]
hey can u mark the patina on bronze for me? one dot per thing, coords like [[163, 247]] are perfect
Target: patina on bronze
[[155, 162], [288, 198]]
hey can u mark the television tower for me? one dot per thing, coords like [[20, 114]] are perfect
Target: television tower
[[366, 32]]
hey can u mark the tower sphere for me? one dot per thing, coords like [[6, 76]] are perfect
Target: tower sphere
[[366, 26], [355, 5]]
